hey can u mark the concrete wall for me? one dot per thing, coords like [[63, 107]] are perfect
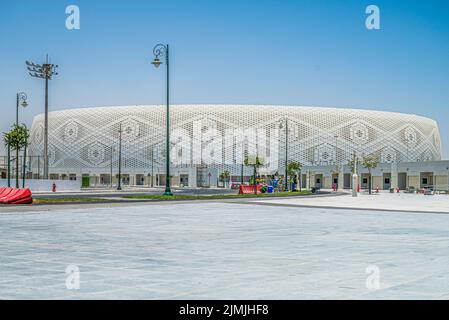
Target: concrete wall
[[410, 174], [413, 181], [441, 182], [401, 174], [46, 185], [327, 182], [377, 182]]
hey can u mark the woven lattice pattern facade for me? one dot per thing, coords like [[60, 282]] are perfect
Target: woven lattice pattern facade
[[222, 135]]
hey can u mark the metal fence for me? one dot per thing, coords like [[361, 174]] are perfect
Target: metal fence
[[30, 172]]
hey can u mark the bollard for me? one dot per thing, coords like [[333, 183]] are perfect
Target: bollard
[[53, 189]]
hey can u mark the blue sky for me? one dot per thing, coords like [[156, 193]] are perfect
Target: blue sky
[[231, 51]]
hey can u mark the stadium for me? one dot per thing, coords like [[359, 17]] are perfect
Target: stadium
[[206, 140]]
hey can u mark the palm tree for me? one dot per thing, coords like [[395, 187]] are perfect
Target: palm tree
[[255, 162], [293, 169], [17, 139], [224, 176], [370, 162]]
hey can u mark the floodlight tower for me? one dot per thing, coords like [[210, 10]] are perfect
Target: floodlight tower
[[44, 71]]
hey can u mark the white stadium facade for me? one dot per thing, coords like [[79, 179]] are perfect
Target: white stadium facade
[[207, 140]]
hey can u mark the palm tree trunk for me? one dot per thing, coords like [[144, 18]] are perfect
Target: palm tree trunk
[[369, 185]]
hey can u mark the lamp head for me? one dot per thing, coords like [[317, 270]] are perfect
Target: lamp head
[[156, 62], [24, 104]]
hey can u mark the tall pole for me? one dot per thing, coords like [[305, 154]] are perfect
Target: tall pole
[[19, 97], [24, 165], [255, 174], [38, 167], [167, 180], [46, 132], [17, 150], [17, 168], [336, 163], [152, 166], [161, 50], [21, 100], [9, 165], [119, 183], [17, 110], [354, 176], [46, 72], [111, 166], [286, 154]]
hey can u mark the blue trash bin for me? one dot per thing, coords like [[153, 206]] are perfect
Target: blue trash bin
[[270, 189]]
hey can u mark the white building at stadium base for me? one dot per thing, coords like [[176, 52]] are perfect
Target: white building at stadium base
[[207, 140]]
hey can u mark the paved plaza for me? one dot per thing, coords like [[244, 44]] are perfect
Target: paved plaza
[[222, 250], [377, 201]]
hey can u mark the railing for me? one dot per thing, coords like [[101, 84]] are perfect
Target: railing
[[33, 165]]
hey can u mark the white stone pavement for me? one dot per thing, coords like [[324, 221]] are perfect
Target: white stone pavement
[[382, 201], [211, 250]]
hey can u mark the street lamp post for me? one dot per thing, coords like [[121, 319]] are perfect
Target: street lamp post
[[38, 167], [24, 165], [21, 100], [286, 153], [354, 175], [161, 51], [112, 151], [152, 166], [336, 162], [119, 183], [46, 72]]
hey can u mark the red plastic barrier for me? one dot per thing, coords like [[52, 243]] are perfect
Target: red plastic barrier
[[16, 196], [28, 200], [5, 192], [246, 189]]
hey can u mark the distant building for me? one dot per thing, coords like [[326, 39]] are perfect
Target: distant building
[[209, 139]]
